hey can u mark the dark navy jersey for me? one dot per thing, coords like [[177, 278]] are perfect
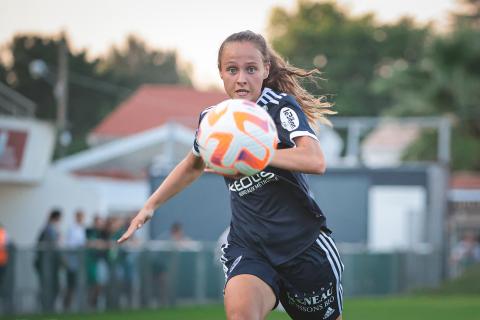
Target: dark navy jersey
[[273, 211]]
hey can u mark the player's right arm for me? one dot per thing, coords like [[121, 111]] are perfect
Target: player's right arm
[[187, 171]]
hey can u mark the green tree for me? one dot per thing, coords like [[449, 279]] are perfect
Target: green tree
[[84, 101], [446, 81], [136, 63], [397, 69], [468, 15], [24, 49], [350, 51], [95, 86]]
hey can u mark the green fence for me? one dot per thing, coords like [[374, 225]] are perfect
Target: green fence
[[160, 274]]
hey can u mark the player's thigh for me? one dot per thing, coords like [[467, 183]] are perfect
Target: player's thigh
[[248, 297], [311, 283]]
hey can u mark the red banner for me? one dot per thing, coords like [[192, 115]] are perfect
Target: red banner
[[12, 147]]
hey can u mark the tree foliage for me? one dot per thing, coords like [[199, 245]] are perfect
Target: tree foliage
[[350, 51], [95, 86], [135, 64], [400, 69], [446, 81], [370, 69]]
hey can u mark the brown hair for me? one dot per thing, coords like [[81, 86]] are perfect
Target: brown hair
[[284, 77]]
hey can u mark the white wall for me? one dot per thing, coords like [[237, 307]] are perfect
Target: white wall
[[37, 152], [396, 218], [118, 196], [381, 156], [25, 208]]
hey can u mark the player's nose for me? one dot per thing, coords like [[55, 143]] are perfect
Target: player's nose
[[241, 77]]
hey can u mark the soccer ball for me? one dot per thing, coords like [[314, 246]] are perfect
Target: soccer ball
[[237, 137]]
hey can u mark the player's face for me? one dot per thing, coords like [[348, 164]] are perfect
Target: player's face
[[242, 70]]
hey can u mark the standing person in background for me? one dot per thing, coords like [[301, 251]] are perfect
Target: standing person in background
[[96, 261], [279, 247], [48, 261], [129, 264], [176, 232], [115, 262], [3, 253], [466, 252], [4, 257], [179, 239], [75, 242]]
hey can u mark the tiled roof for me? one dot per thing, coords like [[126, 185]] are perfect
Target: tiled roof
[[153, 105], [465, 180]]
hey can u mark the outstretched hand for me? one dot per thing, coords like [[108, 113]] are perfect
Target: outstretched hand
[[137, 222]]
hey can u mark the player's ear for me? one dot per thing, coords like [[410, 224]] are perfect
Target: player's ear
[[220, 72], [266, 70]]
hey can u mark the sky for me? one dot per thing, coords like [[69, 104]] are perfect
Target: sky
[[195, 28]]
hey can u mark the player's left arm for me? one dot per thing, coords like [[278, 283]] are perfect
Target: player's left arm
[[306, 157]]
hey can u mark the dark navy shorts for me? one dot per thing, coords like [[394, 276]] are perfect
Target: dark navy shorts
[[308, 286]]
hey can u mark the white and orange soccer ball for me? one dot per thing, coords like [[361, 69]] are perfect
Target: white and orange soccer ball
[[237, 137]]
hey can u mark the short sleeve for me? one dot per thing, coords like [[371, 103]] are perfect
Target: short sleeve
[[292, 122]]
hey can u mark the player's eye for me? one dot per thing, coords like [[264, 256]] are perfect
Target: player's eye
[[232, 70], [251, 69]]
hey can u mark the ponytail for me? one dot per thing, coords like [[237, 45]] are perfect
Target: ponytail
[[284, 77]]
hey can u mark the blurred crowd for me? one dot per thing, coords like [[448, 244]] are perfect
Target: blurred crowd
[[89, 252], [82, 267]]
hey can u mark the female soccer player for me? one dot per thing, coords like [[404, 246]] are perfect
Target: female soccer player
[[279, 247]]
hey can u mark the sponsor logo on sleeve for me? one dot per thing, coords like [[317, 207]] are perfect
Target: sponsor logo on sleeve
[[289, 119]]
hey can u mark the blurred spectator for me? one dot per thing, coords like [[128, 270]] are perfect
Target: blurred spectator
[[48, 261], [165, 264], [179, 239], [6, 271], [3, 260], [97, 272], [466, 253], [129, 264], [3, 253], [115, 259], [75, 241]]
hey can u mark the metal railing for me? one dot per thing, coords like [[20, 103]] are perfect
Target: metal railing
[[159, 274]]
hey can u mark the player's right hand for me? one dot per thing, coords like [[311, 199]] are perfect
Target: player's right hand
[[140, 219]]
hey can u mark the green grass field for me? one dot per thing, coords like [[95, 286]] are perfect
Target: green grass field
[[392, 308]]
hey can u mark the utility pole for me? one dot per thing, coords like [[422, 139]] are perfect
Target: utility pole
[[61, 97]]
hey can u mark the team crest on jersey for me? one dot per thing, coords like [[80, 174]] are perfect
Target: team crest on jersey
[[289, 119]]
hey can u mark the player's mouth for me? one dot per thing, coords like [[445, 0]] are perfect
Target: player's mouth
[[242, 92]]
